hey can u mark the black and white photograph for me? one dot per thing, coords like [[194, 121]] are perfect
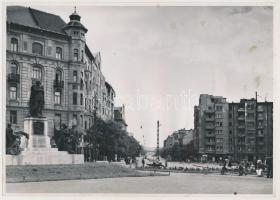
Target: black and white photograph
[[138, 99]]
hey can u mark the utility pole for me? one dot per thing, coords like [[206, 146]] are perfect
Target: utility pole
[[256, 127], [158, 139]]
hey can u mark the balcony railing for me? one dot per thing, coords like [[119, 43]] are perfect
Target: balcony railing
[[209, 118], [241, 118], [241, 110], [260, 118], [58, 84], [241, 126], [209, 126], [13, 77], [260, 109], [209, 111], [210, 143]]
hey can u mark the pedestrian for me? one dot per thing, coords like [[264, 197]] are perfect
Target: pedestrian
[[269, 163], [259, 168], [143, 163]]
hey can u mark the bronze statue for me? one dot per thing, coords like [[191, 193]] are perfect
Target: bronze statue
[[13, 140], [36, 102]]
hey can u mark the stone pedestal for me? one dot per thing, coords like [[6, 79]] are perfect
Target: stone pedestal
[[38, 150], [37, 128]]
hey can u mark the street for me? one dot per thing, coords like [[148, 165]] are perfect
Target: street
[[175, 183]]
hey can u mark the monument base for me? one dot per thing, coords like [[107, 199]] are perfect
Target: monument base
[[44, 156], [38, 150]]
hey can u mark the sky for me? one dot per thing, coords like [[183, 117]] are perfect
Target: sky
[[160, 59]]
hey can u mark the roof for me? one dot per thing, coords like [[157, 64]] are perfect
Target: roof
[[35, 18]]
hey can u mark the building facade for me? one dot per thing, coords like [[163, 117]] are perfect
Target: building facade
[[119, 117], [211, 126], [42, 47], [250, 128], [180, 137], [240, 130]]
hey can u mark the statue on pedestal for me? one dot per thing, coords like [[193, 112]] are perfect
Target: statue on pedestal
[[36, 102]]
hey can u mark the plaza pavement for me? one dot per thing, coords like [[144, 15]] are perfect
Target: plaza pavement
[[175, 183]]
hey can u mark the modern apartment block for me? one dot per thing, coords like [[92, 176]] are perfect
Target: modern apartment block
[[240, 130], [251, 129], [211, 126], [42, 47]]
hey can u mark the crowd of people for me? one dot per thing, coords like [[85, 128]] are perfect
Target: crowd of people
[[245, 167]]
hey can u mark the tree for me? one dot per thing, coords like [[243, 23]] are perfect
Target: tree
[[110, 140]]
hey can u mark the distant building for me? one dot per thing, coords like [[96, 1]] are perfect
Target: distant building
[[240, 130], [181, 137], [119, 117]]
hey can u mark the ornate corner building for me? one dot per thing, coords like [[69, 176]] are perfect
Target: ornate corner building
[[42, 47]]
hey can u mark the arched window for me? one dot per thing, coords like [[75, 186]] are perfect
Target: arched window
[[14, 68], [37, 48], [58, 53], [14, 44], [37, 73]]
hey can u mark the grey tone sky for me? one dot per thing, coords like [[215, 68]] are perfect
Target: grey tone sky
[[159, 59]]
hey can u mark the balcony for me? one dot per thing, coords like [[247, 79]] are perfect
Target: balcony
[[209, 111], [209, 126], [260, 127], [241, 118], [260, 143], [210, 150], [13, 78], [241, 126], [260, 109], [260, 135], [207, 119], [210, 135], [260, 118], [58, 84], [241, 110], [210, 143]]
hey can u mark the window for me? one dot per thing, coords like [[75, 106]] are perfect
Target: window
[[75, 119], [230, 123], [81, 99], [58, 76], [13, 92], [219, 108], [74, 98], [57, 121], [75, 76], [82, 55], [37, 73], [13, 117], [57, 97], [75, 54], [14, 68], [58, 53], [81, 119], [85, 124], [37, 48], [14, 44]]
